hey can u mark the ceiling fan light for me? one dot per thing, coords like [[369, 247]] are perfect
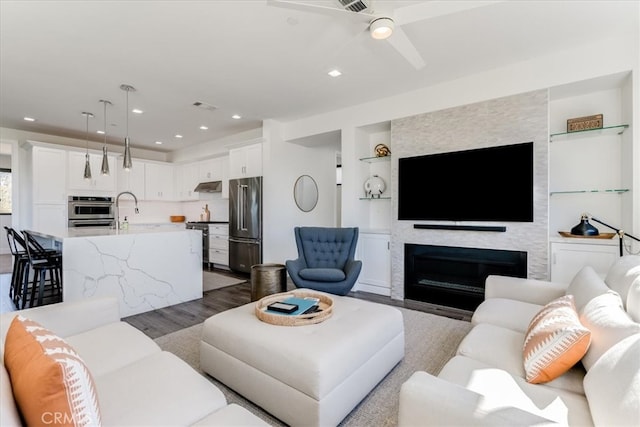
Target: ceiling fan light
[[381, 28]]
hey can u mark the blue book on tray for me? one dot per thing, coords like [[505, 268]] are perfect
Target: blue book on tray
[[303, 305]]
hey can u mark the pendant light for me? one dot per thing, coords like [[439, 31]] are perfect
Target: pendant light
[[126, 164], [87, 165], [105, 158]]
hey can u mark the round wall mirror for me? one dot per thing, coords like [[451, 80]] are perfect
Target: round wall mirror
[[305, 193]]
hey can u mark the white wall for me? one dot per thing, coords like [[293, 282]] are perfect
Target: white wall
[[613, 56]]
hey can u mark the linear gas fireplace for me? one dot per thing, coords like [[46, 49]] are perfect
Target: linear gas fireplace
[[453, 276]]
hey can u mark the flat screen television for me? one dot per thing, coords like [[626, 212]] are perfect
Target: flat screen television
[[485, 184]]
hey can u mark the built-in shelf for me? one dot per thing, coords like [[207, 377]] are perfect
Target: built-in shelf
[[614, 191], [375, 159], [608, 130], [376, 198]]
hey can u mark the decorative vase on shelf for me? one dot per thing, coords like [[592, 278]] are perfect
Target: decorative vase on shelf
[[382, 150], [374, 186]]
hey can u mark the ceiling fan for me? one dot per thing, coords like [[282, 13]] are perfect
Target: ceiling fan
[[385, 25]]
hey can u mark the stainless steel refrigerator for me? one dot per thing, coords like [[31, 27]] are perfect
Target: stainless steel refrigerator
[[245, 223]]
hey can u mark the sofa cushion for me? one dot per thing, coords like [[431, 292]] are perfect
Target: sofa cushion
[[633, 300], [502, 391], [612, 385], [231, 415], [554, 342], [322, 274], [585, 286], [9, 415], [608, 323], [159, 390], [507, 313], [622, 274], [122, 343], [50, 382], [502, 348]]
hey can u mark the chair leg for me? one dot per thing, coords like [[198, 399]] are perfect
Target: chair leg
[[41, 285]]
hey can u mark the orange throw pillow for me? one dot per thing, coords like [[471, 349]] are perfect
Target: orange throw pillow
[[555, 341], [50, 382]]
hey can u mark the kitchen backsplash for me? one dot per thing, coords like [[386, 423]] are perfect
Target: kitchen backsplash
[[152, 212]]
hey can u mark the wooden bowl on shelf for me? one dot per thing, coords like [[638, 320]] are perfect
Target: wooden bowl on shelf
[[177, 218]]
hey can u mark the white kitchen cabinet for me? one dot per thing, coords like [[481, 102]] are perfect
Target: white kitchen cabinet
[[133, 179], [49, 217], [245, 161], [569, 255], [210, 170], [98, 182], [49, 177], [219, 244], [225, 177], [187, 179], [374, 252], [158, 181]]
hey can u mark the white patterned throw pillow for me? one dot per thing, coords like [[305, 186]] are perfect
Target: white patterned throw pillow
[[555, 341]]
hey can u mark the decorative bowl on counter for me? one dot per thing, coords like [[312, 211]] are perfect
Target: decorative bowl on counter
[[177, 218]]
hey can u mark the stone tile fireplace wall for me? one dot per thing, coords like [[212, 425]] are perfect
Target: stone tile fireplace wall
[[502, 121]]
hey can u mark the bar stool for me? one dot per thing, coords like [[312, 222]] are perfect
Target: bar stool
[[43, 261], [20, 265]]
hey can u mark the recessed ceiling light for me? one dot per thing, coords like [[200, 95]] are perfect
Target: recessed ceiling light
[[177, 135], [334, 73], [236, 116], [29, 119], [101, 132], [137, 111], [203, 127], [159, 142]]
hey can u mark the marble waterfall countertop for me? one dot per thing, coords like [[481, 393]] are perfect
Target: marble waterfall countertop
[[145, 269]]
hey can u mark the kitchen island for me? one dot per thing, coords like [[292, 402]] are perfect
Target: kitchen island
[[145, 269]]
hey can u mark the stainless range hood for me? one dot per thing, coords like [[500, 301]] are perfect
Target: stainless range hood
[[209, 187]]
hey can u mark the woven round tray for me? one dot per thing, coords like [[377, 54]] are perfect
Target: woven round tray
[[326, 304]]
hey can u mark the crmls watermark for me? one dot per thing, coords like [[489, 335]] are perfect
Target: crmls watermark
[[55, 418]]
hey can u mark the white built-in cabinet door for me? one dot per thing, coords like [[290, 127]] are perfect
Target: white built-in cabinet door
[[49, 176], [97, 182], [374, 252], [48, 217], [567, 259], [132, 180], [186, 181], [210, 170], [159, 181], [245, 161]]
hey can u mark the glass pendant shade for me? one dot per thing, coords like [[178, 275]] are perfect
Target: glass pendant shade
[[87, 165], [126, 163], [105, 159]]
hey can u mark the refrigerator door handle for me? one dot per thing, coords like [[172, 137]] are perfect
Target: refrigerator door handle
[[241, 207]]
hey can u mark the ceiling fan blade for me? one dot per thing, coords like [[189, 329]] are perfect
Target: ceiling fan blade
[[359, 17], [403, 45], [433, 9]]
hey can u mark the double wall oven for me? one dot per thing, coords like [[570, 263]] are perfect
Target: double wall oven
[[90, 211]]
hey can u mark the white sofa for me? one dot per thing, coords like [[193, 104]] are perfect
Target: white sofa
[[137, 383], [485, 383]]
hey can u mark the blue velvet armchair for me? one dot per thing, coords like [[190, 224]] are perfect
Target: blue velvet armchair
[[325, 259]]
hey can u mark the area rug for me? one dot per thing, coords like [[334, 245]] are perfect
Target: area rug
[[211, 281], [430, 341]]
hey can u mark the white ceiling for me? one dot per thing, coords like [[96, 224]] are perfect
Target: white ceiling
[[248, 57]]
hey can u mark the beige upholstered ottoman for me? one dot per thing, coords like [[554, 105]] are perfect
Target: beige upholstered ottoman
[[305, 375]]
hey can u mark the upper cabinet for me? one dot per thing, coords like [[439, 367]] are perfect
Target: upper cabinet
[[159, 181], [97, 182], [49, 180], [187, 179], [133, 179], [210, 170], [245, 161]]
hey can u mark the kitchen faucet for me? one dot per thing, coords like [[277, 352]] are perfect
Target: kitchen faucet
[[118, 208]]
